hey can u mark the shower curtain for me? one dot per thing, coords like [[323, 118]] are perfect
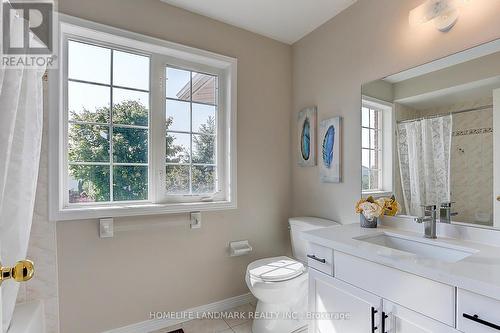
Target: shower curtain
[[21, 120], [424, 160]]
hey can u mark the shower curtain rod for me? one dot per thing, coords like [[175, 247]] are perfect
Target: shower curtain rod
[[481, 108]]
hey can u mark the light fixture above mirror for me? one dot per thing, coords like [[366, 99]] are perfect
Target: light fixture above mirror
[[443, 13]]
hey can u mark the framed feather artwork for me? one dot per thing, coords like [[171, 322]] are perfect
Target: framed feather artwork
[[306, 129], [329, 150]]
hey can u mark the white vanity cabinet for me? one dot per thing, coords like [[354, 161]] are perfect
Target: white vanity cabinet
[[402, 320], [343, 307], [370, 297], [433, 299]]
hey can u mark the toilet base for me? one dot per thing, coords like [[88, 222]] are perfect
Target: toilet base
[[278, 318]]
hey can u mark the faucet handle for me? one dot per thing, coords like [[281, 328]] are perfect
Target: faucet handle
[[418, 219], [429, 208]]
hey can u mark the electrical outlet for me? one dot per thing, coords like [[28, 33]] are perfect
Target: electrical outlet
[[106, 228], [195, 220]]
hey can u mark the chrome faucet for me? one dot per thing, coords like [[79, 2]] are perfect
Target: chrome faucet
[[429, 221], [445, 213]]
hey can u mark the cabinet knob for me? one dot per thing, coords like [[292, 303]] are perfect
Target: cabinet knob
[[498, 198]]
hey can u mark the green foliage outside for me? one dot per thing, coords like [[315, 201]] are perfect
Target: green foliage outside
[[90, 143]]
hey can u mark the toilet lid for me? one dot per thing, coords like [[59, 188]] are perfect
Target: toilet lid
[[276, 269]]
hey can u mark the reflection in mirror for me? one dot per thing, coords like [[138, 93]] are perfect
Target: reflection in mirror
[[428, 137]]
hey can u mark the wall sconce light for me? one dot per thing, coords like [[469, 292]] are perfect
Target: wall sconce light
[[443, 13]]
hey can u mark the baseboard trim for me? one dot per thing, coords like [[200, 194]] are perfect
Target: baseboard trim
[[156, 324]]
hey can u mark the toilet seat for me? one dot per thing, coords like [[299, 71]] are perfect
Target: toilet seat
[[275, 269]]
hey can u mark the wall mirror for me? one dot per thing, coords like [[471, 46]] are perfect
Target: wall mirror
[[431, 136]]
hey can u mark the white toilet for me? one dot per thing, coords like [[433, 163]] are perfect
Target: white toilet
[[280, 283]]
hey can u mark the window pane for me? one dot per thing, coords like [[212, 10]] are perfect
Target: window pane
[[177, 179], [204, 88], [130, 107], [88, 143], [130, 145], [130, 183], [130, 70], [89, 63], [204, 148], [178, 118], [178, 147], [88, 102], [374, 180], [374, 139], [178, 84], [203, 118], [203, 179], [365, 158], [374, 159], [365, 117], [365, 178], [88, 183], [365, 138]]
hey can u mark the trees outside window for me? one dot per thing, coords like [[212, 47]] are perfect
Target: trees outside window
[[89, 143]]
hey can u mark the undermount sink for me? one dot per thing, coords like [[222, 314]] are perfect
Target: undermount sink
[[421, 248]]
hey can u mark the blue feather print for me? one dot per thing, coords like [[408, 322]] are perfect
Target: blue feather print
[[328, 144], [305, 142]]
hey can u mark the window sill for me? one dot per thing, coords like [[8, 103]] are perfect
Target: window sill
[[377, 194], [117, 210]]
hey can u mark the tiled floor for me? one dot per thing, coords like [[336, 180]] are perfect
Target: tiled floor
[[227, 325]]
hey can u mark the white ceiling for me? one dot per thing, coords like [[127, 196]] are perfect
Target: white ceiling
[[283, 20]]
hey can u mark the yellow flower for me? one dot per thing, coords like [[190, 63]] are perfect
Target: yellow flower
[[375, 208]]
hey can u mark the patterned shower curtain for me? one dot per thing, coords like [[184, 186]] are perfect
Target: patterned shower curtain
[[424, 160]]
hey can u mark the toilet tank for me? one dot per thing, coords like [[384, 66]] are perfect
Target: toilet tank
[[300, 224]]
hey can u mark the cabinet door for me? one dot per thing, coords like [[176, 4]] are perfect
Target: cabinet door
[[477, 313], [398, 319], [341, 307]]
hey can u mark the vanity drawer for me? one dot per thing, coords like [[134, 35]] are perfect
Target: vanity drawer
[[428, 297], [320, 258], [483, 313]]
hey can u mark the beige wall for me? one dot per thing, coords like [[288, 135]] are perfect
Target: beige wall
[[108, 283], [367, 41]]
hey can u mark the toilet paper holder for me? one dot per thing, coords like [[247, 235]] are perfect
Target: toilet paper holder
[[239, 248]]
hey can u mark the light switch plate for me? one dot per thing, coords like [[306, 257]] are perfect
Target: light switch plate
[[195, 220], [106, 228]]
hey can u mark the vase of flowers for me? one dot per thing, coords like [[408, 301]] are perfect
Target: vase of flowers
[[371, 209]]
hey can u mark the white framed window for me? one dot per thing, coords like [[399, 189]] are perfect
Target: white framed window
[[139, 125], [376, 146]]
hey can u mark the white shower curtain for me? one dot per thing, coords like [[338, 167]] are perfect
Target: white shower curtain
[[21, 120], [424, 160]]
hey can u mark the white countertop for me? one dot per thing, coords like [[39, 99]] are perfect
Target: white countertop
[[479, 273]]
